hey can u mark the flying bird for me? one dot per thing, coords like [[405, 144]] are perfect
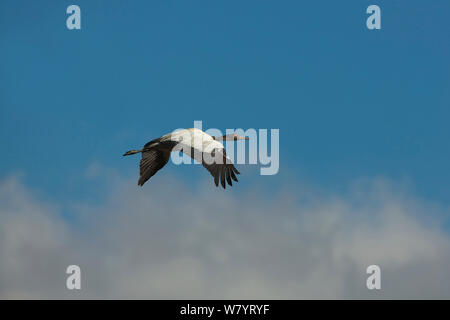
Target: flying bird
[[197, 144]]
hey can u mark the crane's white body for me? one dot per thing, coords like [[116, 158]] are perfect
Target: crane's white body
[[196, 143]]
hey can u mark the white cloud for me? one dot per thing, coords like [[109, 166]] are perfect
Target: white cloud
[[168, 241]]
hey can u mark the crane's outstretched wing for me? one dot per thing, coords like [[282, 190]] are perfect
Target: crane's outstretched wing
[[222, 169], [152, 161]]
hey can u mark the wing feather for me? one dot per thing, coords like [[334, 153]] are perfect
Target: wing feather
[[152, 161], [222, 171]]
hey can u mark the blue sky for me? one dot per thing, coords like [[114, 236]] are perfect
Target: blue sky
[[349, 102], [363, 119]]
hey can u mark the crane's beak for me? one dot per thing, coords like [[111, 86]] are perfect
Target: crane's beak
[[231, 137]]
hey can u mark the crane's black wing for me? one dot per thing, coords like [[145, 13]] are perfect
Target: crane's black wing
[[216, 162], [222, 169], [152, 161]]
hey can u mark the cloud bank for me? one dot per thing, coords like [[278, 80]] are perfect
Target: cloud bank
[[170, 241]]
